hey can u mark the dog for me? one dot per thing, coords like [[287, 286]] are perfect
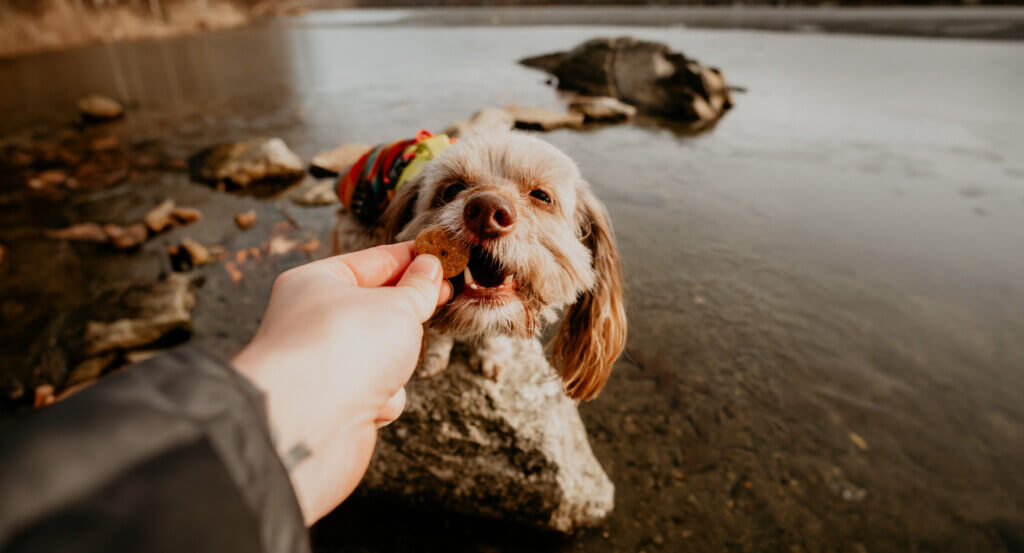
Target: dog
[[541, 246]]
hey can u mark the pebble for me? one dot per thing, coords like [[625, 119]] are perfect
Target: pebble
[[98, 107]]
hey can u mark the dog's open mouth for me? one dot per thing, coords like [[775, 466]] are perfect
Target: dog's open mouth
[[484, 277]]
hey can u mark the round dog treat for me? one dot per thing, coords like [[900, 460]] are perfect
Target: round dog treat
[[452, 252]]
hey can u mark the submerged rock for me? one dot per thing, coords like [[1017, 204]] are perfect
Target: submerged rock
[[242, 163], [333, 162], [602, 108], [645, 74], [512, 449], [317, 194], [99, 108], [541, 119], [146, 313]]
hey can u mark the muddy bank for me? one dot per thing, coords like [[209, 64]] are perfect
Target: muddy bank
[[990, 23], [824, 289]]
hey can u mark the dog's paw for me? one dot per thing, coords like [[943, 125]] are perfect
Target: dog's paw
[[432, 363], [488, 366]]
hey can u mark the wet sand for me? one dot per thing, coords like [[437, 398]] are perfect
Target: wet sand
[[825, 291]]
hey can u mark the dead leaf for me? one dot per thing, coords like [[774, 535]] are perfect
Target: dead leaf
[[101, 143], [86, 232], [197, 252], [44, 395], [311, 246], [240, 256], [858, 441], [186, 215], [126, 237], [246, 220], [232, 269], [159, 218], [47, 179]]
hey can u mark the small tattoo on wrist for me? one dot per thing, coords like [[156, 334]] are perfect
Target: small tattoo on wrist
[[297, 454]]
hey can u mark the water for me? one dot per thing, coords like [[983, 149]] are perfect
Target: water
[[825, 291]]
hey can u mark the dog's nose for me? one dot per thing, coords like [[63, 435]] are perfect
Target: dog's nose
[[489, 215]]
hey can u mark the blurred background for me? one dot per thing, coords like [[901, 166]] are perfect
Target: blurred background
[[825, 282]]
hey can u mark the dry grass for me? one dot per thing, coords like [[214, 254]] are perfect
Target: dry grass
[[62, 24]]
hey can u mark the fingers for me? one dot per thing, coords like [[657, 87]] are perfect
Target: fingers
[[392, 409], [372, 267], [421, 284], [446, 292]]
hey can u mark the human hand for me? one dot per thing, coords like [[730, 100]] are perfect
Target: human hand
[[339, 340]]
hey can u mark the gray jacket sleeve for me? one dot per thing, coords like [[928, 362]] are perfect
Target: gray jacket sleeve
[[172, 454]]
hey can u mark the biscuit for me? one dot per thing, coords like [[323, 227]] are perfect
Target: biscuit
[[453, 253]]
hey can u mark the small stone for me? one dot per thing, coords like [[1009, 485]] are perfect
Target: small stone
[[483, 119], [85, 232], [279, 245], [602, 108], [309, 247], [197, 253], [334, 162], [242, 163], [541, 119], [126, 237], [99, 108], [246, 220]]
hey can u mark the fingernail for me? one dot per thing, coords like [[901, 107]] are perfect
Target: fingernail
[[426, 266]]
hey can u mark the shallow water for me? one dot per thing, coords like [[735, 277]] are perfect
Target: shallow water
[[825, 291]]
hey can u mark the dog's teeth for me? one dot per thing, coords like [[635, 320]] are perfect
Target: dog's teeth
[[508, 280], [469, 277]]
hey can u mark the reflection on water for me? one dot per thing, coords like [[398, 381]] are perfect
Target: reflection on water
[[825, 291]]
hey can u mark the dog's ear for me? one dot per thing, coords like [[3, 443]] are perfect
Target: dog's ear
[[593, 333], [400, 210]]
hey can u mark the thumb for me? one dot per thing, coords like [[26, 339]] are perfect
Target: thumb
[[421, 283]]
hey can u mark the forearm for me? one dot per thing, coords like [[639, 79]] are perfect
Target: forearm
[[174, 451]]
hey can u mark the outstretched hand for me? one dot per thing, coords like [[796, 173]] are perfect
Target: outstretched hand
[[339, 340]]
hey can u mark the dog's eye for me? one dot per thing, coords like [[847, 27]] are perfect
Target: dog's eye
[[541, 195], [452, 191]]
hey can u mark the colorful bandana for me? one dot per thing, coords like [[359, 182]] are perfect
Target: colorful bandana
[[370, 184]]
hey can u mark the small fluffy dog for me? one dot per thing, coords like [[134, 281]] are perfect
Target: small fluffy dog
[[540, 244]]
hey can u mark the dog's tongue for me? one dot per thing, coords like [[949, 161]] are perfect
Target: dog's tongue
[[486, 270]]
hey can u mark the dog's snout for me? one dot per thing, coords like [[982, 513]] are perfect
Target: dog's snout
[[489, 215]]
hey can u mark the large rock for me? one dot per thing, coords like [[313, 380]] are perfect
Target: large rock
[[511, 449], [645, 74], [242, 163]]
